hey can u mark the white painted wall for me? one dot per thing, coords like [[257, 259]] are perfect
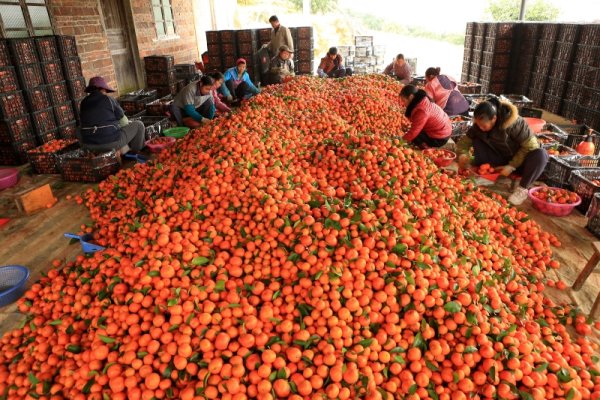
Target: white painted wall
[[212, 15]]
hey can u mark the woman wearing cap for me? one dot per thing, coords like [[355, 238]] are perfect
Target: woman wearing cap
[[104, 125], [194, 104], [282, 67], [442, 89], [238, 83]]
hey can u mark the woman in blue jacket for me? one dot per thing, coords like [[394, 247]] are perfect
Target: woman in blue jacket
[[237, 83]]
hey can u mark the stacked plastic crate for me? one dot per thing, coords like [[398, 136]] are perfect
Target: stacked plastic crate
[[16, 130], [247, 46], [160, 74], [496, 57], [561, 66], [468, 52], [588, 55], [479, 30], [543, 60], [304, 50], [67, 112], [367, 57], [525, 47]]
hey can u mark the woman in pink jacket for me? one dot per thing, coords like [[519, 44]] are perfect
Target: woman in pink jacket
[[430, 126], [442, 90]]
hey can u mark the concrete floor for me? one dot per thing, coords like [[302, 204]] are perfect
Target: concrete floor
[[35, 240]]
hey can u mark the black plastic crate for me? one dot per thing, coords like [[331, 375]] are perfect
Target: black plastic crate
[[38, 98], [185, 69], [213, 37], [77, 107], [5, 60], [30, 75], [64, 113], [48, 136], [12, 105], [53, 71], [16, 130], [159, 63], [8, 80], [165, 78], [16, 153], [43, 121], [67, 46], [76, 87], [23, 51], [159, 107], [163, 91], [227, 36], [558, 170], [577, 134], [68, 131], [72, 68], [585, 183], [58, 92], [590, 34], [245, 36], [552, 103], [47, 48], [86, 166], [155, 126], [555, 130], [45, 161]]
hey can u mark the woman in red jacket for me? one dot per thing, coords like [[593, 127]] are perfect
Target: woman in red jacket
[[430, 125]]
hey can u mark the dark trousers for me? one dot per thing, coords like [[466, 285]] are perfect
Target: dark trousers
[[240, 91], [272, 79], [422, 138], [179, 114], [532, 168], [340, 73]]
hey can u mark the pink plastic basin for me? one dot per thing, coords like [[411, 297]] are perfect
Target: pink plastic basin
[[536, 124], [8, 177]]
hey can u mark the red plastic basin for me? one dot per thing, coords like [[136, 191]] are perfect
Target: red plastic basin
[[8, 177], [536, 124]]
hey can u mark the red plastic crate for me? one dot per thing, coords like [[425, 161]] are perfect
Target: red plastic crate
[[64, 113], [12, 105], [52, 72]]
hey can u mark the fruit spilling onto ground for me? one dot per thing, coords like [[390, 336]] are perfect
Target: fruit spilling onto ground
[[298, 249], [554, 195]]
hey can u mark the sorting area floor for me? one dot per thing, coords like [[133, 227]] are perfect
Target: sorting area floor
[[35, 240]]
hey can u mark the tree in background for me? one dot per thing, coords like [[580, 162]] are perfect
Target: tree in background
[[536, 10], [316, 6]]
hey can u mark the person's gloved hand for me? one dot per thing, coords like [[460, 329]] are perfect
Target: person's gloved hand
[[463, 162], [507, 170], [205, 121], [264, 46], [230, 98]]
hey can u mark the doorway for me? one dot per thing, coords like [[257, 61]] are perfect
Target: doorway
[[121, 44]]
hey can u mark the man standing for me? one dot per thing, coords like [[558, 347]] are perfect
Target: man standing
[[282, 66], [332, 65], [280, 36], [399, 69]]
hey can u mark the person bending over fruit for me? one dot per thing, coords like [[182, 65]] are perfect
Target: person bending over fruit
[[500, 137]]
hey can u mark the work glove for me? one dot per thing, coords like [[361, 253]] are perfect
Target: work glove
[[463, 162], [230, 98], [205, 121]]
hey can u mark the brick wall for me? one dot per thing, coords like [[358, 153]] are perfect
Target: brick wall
[[83, 19], [184, 47]]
